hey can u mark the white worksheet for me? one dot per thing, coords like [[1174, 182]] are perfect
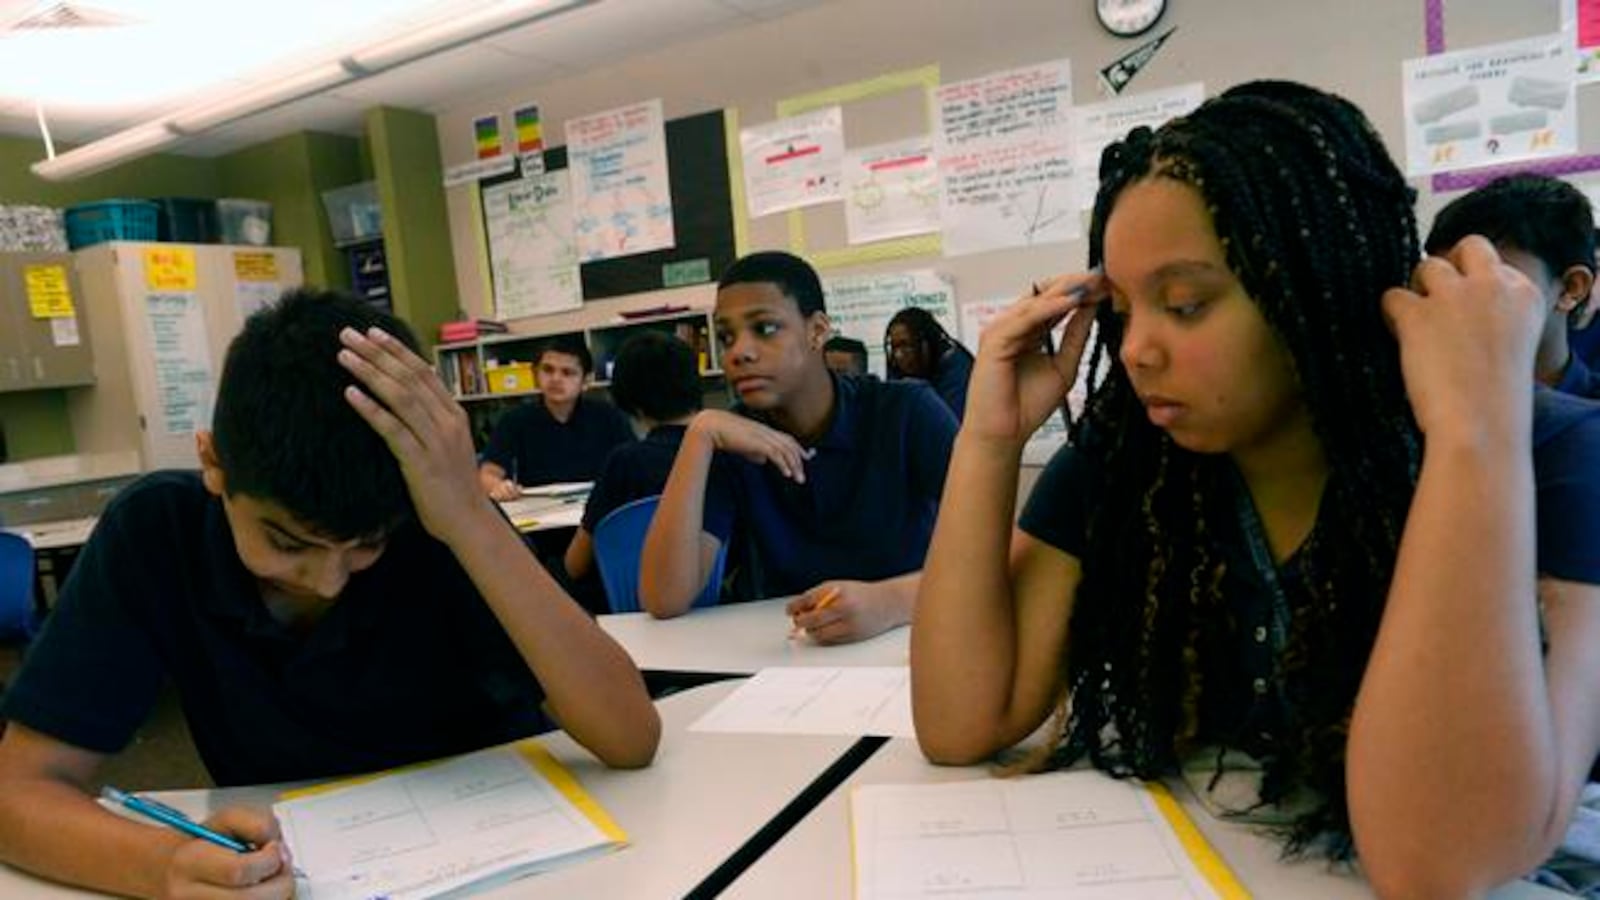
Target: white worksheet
[[423, 831], [855, 700], [1078, 834]]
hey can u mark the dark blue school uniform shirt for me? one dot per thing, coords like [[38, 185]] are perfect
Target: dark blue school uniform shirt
[[1566, 440], [409, 664], [1579, 379], [633, 470], [534, 448], [867, 507]]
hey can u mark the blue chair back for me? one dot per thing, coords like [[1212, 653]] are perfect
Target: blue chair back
[[618, 542], [17, 615]]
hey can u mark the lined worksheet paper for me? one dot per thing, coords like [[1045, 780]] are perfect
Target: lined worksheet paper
[[424, 831], [851, 701], [1072, 835]]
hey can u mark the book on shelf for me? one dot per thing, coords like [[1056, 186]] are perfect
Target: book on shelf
[[444, 827], [470, 329]]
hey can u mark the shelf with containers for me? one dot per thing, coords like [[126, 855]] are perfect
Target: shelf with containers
[[501, 366]]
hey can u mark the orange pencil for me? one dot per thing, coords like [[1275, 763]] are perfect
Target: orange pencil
[[828, 596]]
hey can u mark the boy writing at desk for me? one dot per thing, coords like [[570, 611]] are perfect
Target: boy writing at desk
[[827, 477], [330, 594]]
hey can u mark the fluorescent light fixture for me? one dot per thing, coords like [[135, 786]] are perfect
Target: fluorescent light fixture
[[434, 37]]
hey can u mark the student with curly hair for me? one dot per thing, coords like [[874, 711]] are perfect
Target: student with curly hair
[[1296, 526], [917, 346]]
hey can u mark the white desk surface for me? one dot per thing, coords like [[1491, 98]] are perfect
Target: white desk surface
[[742, 639], [704, 796], [813, 860], [57, 535]]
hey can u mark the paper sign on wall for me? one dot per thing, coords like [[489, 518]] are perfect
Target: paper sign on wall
[[1099, 124], [176, 326], [49, 291], [529, 133], [1491, 105], [891, 191], [860, 306], [621, 198], [486, 139], [1005, 155], [532, 249], [169, 268], [255, 267], [793, 162]]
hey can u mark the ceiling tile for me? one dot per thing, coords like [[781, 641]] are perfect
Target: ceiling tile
[[770, 9], [437, 82], [604, 33]]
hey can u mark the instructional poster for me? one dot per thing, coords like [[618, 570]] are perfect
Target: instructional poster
[[621, 200], [793, 162], [860, 306], [176, 326], [1005, 155], [1587, 15], [533, 251], [1491, 105], [1099, 124], [891, 191]]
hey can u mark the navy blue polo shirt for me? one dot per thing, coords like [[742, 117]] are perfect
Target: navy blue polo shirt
[[408, 665], [633, 470], [1566, 441], [534, 448], [1578, 379], [867, 508], [950, 380]]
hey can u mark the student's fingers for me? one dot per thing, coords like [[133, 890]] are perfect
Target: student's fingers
[[247, 823], [1023, 325], [1074, 340], [1398, 304], [506, 490], [200, 862], [1473, 254], [394, 375], [402, 442], [1432, 274]]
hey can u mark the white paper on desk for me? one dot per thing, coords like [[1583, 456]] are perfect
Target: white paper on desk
[[559, 489], [1064, 834], [425, 831], [782, 700]]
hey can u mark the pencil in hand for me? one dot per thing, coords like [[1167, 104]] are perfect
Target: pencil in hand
[[828, 597]]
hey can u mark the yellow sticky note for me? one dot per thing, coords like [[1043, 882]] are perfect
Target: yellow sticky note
[[49, 292], [169, 268], [255, 267]]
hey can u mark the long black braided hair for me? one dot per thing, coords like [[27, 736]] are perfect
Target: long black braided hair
[[1316, 222]]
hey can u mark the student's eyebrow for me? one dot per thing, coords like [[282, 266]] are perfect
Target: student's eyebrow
[[749, 312], [1183, 269]]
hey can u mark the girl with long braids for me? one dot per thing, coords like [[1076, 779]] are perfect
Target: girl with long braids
[[1295, 527], [917, 346]]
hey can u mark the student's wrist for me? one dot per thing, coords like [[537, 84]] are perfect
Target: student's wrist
[[1004, 450]]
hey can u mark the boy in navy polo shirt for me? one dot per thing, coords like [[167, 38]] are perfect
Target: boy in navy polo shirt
[[1544, 228], [833, 482], [557, 436], [330, 594]]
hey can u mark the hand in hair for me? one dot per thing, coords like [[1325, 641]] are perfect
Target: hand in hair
[[424, 427], [1016, 382], [1468, 328], [753, 441]]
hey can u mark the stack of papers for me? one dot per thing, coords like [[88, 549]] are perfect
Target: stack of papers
[[562, 489], [865, 700], [427, 830], [1060, 835]]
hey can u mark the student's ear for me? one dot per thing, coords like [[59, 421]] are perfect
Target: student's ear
[[1577, 296], [210, 466], [818, 329]]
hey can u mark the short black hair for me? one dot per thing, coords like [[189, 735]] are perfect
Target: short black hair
[[792, 275], [656, 376], [283, 431], [1542, 216], [841, 344], [571, 345]]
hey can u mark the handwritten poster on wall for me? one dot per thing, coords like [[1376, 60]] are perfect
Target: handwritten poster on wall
[[1097, 125], [1586, 27], [891, 191], [533, 249], [621, 200], [1005, 155], [860, 306], [1491, 105], [176, 327], [793, 162]]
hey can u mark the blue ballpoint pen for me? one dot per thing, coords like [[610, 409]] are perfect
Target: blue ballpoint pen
[[172, 818]]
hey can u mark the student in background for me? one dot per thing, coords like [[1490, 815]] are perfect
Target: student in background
[[559, 435], [1300, 520], [1544, 227], [834, 482], [656, 380], [330, 594], [845, 355], [917, 346]]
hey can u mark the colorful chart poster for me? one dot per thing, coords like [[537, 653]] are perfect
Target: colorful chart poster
[[532, 249], [891, 191], [621, 199], [1099, 124], [1491, 105], [793, 162], [1005, 155], [529, 135], [860, 306], [486, 139]]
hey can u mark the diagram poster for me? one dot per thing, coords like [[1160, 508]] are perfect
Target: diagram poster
[[621, 200]]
